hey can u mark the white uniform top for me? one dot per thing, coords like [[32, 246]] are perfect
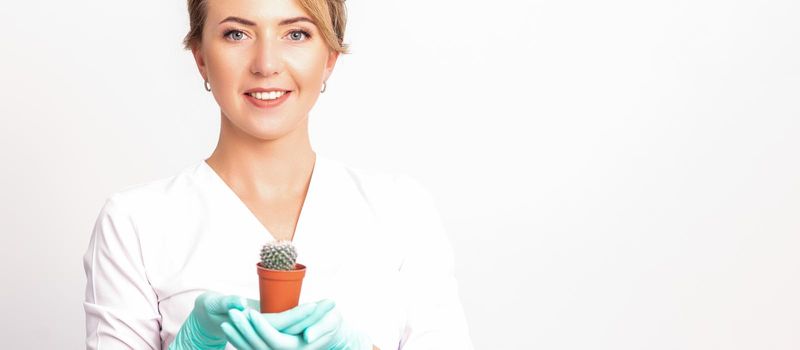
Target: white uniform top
[[372, 241]]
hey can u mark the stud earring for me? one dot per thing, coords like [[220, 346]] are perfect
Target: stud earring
[[208, 87]]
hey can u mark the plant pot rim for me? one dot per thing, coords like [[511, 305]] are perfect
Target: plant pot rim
[[281, 275], [297, 267]]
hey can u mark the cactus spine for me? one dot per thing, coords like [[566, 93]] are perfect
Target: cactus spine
[[278, 255]]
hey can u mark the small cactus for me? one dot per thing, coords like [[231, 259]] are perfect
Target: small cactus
[[278, 255]]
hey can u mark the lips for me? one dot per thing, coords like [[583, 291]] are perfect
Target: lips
[[262, 89], [267, 104], [267, 95]]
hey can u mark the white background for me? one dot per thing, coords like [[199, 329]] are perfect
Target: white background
[[612, 174]]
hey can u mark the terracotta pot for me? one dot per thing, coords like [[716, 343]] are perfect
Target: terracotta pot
[[280, 290]]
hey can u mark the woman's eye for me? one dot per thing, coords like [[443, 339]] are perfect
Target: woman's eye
[[238, 35], [297, 35]]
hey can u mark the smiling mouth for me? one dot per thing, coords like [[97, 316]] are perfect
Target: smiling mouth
[[267, 96], [267, 100]]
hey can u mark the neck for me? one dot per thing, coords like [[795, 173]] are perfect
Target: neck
[[259, 168]]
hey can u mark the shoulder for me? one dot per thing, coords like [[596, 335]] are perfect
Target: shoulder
[[152, 194], [394, 195], [377, 183]]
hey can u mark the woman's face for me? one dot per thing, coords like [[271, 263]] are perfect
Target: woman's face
[[237, 57]]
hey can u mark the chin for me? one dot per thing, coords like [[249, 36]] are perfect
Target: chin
[[272, 129]]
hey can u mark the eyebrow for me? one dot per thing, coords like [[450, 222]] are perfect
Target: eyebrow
[[253, 24]]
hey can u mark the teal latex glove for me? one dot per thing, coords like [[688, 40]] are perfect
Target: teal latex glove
[[323, 329], [242, 335], [201, 330]]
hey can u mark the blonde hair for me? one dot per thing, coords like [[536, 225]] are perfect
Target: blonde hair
[[330, 16]]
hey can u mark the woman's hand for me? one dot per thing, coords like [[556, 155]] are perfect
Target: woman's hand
[[244, 328], [201, 330], [321, 329]]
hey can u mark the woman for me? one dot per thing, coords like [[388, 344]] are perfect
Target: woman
[[171, 263]]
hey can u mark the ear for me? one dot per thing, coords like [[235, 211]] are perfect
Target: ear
[[333, 56], [200, 60]]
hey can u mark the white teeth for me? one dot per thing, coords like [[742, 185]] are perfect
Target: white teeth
[[267, 95]]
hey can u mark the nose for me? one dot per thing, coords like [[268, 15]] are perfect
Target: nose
[[267, 58]]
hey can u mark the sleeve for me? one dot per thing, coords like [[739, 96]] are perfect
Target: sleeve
[[435, 318], [121, 306]]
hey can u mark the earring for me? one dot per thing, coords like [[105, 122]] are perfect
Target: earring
[[208, 87], [324, 86]]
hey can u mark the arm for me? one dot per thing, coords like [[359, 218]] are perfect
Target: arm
[[435, 318], [121, 306]]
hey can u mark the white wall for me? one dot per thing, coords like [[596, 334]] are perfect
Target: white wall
[[612, 174]]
